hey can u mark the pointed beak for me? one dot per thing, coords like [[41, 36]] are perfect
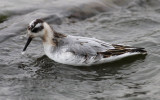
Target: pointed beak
[[28, 42]]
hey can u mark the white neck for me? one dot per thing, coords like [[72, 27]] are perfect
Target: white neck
[[49, 30], [48, 34]]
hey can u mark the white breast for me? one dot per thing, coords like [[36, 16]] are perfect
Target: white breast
[[47, 49], [62, 56]]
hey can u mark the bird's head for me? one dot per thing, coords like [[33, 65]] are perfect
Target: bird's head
[[38, 28]]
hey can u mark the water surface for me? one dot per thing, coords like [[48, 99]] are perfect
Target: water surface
[[34, 76]]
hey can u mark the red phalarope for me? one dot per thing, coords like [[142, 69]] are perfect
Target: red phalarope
[[76, 50]]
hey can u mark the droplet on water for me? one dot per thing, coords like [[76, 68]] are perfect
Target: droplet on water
[[23, 53]]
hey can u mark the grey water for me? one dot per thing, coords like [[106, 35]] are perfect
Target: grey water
[[34, 76]]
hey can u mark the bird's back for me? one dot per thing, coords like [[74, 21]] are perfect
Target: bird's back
[[77, 51]]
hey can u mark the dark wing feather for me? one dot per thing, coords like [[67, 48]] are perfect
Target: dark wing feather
[[119, 49]]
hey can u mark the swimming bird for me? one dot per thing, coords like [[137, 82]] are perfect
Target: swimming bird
[[77, 50]]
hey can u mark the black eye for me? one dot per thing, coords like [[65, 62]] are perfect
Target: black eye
[[35, 30]]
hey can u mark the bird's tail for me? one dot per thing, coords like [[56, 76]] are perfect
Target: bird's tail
[[138, 50]]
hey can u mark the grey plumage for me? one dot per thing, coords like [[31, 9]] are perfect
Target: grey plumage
[[90, 47]]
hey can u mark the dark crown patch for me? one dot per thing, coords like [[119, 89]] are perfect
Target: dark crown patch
[[36, 25]]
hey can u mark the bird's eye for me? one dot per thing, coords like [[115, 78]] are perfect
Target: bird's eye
[[35, 30]]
